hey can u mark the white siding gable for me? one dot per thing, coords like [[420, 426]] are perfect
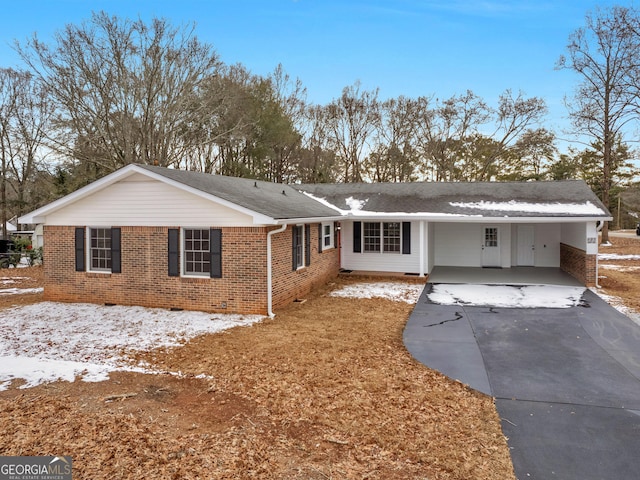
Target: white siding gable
[[141, 201]]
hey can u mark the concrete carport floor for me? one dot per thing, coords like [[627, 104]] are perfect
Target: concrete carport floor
[[566, 381]]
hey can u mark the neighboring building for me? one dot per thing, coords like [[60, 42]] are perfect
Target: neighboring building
[[153, 236], [11, 228]]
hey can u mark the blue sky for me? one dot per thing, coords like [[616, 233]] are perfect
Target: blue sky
[[434, 48]]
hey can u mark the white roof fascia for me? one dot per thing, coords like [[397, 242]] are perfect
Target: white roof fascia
[[454, 218], [39, 215], [290, 221]]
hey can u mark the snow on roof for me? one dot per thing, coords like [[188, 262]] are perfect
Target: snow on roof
[[564, 199], [586, 208]]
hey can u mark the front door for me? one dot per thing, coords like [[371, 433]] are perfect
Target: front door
[[526, 246], [491, 247]]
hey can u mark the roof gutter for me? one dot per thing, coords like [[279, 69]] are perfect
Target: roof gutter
[[270, 270]]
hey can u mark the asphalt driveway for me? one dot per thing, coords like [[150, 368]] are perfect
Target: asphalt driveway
[[566, 381]]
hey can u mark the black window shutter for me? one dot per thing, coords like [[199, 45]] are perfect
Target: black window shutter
[[174, 252], [294, 247], [357, 237], [320, 238], [406, 238], [307, 245], [116, 264], [80, 244], [215, 245]]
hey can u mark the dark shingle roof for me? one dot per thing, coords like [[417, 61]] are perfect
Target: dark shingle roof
[[570, 198], [274, 200]]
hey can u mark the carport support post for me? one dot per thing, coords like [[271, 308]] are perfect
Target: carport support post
[[422, 248]]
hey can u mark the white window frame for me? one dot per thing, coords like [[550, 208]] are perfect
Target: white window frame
[[90, 249], [300, 253], [184, 251], [381, 239], [327, 236], [385, 238]]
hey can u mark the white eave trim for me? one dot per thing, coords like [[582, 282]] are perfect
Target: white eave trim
[[452, 218], [39, 215], [292, 221]]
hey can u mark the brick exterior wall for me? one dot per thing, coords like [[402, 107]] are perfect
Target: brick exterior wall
[[289, 285], [145, 281], [577, 263]]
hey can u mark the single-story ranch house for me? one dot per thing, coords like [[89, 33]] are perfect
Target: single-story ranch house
[[152, 236]]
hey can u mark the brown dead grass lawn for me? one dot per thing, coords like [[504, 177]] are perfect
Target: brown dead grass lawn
[[326, 390], [24, 278], [622, 284]]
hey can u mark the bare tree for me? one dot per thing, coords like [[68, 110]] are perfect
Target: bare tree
[[352, 119], [395, 156], [124, 89], [605, 53], [8, 98], [530, 156], [464, 139], [318, 160], [25, 113], [31, 121]]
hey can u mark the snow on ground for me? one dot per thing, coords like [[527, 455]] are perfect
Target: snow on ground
[[528, 296], [10, 280], [620, 268], [617, 256], [48, 341], [618, 304], [20, 291], [400, 292]]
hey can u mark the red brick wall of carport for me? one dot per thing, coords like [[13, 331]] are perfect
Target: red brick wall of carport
[[579, 264]]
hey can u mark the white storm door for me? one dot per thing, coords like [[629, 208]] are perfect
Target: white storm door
[[526, 246], [491, 247]]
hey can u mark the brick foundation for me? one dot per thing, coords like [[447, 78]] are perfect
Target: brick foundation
[[144, 279], [577, 263]]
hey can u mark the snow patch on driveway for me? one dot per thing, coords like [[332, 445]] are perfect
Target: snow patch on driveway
[[48, 341], [529, 296]]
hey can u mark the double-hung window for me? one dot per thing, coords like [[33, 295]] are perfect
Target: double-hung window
[[385, 237], [391, 237], [326, 236], [197, 252], [298, 246], [371, 237], [100, 249]]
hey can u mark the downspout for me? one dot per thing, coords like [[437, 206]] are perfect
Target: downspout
[[270, 270], [422, 249], [599, 225]]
